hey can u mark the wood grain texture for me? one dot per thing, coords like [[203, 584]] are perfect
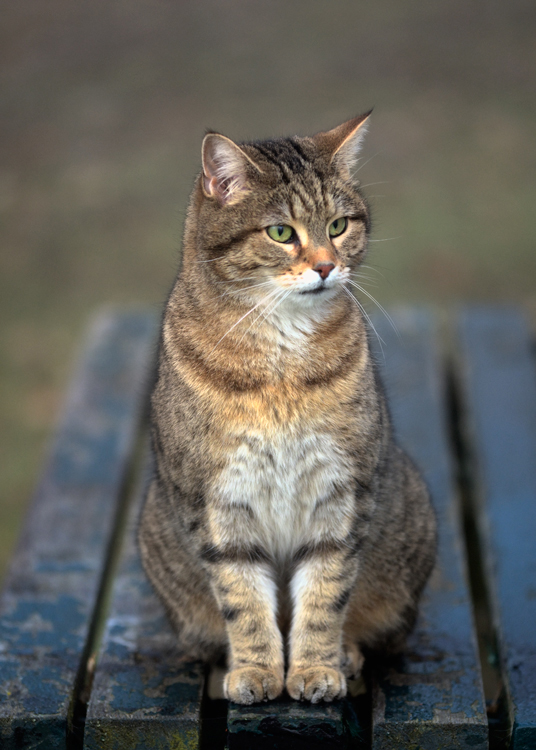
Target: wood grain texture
[[145, 694], [431, 697], [47, 606], [498, 380]]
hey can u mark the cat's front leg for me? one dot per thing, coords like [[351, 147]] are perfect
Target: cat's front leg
[[246, 595], [320, 589]]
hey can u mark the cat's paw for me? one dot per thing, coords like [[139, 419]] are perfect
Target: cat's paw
[[352, 660], [316, 684], [252, 685]]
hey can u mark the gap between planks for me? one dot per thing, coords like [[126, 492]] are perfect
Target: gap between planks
[[84, 679]]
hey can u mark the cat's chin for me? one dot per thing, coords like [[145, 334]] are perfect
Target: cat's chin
[[315, 297], [299, 313]]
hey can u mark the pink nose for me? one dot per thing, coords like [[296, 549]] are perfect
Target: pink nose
[[324, 269]]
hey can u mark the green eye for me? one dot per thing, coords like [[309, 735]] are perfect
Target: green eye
[[338, 226], [280, 232]]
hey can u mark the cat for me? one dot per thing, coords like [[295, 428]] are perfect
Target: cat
[[283, 528]]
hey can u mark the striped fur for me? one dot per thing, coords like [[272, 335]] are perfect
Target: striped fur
[[283, 528]]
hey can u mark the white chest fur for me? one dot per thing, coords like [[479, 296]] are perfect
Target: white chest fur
[[288, 483]]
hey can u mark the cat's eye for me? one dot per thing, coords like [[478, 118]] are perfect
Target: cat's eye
[[338, 226], [280, 232]]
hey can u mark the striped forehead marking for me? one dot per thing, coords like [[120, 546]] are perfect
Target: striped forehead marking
[[308, 189]]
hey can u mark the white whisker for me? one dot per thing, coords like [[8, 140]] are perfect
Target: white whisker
[[375, 269], [370, 184], [279, 300], [244, 316], [362, 275], [370, 280], [371, 324], [365, 163], [243, 289], [211, 260], [279, 294], [386, 239], [384, 311]]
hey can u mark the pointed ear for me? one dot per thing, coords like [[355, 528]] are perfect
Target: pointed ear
[[342, 144], [225, 169]]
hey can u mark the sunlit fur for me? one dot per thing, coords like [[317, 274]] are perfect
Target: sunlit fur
[[283, 527]]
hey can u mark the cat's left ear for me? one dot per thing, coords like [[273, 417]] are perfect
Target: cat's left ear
[[343, 144], [225, 169]]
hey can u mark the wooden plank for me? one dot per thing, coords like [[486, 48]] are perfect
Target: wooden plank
[[145, 694], [298, 726], [499, 394], [431, 697], [46, 609]]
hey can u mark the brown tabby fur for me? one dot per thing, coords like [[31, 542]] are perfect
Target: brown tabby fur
[[284, 527]]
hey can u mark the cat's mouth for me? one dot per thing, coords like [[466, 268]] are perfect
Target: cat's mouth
[[316, 290]]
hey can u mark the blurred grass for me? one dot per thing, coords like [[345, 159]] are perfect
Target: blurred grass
[[102, 110]]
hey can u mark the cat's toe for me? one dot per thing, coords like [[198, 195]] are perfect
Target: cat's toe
[[352, 660], [249, 685], [316, 684]]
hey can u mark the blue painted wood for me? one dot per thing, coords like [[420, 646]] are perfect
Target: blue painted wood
[[432, 696], [499, 389], [145, 694], [47, 606]]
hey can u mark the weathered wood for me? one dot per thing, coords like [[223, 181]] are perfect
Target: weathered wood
[[499, 401], [431, 697], [46, 609], [298, 726], [145, 694]]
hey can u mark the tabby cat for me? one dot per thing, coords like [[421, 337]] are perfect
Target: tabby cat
[[284, 527]]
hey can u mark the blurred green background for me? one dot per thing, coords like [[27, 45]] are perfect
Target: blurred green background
[[102, 110]]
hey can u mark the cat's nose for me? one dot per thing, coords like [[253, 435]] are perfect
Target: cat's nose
[[324, 269]]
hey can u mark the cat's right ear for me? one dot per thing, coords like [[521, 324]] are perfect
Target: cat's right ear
[[225, 169], [343, 144]]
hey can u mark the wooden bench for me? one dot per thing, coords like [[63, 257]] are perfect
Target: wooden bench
[[88, 660]]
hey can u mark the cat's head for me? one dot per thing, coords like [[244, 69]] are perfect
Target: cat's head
[[282, 216]]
